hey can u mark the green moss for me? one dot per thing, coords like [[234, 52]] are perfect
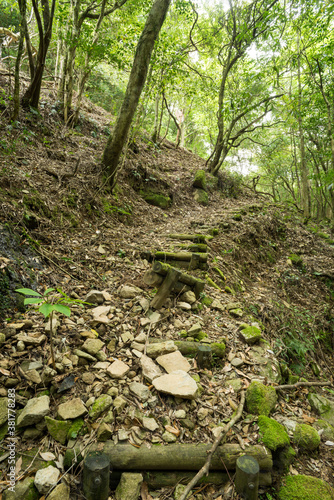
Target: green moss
[[201, 197], [260, 399], [306, 437], [101, 404], [200, 180], [58, 429], [285, 457], [206, 301], [305, 488], [218, 348], [296, 260], [75, 428], [157, 200], [272, 433]]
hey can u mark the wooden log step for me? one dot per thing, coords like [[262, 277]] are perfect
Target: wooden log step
[[154, 279], [189, 265], [196, 238], [164, 479], [197, 284], [184, 256], [181, 456], [170, 280], [188, 348], [199, 247]]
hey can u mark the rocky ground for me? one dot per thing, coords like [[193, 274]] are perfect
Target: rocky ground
[[128, 375]]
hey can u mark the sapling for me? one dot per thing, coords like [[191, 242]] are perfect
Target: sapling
[[50, 302]]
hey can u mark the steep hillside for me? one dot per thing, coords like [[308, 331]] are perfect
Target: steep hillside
[[268, 298]]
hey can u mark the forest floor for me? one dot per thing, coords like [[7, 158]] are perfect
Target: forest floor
[[74, 235]]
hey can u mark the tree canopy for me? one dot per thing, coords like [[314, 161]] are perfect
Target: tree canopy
[[236, 81]]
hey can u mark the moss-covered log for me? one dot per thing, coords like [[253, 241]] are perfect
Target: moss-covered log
[[196, 238], [199, 247], [191, 348], [165, 479], [154, 279], [203, 257], [181, 457]]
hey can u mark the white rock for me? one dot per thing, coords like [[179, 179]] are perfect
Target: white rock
[[150, 424], [184, 306], [129, 292], [173, 361], [100, 314], [150, 369], [178, 384], [72, 409], [118, 369], [34, 411], [46, 479]]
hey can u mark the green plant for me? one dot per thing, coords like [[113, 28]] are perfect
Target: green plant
[[50, 303]]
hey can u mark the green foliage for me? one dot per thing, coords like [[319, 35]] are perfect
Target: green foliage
[[49, 301]]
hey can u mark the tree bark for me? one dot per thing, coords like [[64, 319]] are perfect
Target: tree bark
[[16, 96], [134, 89]]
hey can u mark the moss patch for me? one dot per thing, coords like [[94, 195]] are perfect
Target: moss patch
[[200, 180], [306, 437], [201, 197], [260, 399], [305, 488], [58, 429], [157, 200], [272, 433]]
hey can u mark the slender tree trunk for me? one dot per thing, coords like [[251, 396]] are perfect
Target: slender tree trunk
[[135, 86], [306, 199], [156, 118], [16, 96]]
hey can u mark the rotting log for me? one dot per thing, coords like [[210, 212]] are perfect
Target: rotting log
[[181, 457], [164, 479], [196, 238], [188, 348], [199, 247], [185, 264], [197, 284], [172, 277], [154, 279], [184, 256]]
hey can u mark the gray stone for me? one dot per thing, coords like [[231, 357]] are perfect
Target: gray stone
[[3, 411], [184, 306], [61, 492], [129, 292], [58, 429], [100, 314], [235, 383], [150, 424], [160, 348], [178, 384], [129, 486], [173, 361], [33, 376], [34, 411], [31, 365], [46, 478], [72, 409], [119, 404], [92, 346], [140, 390], [150, 369], [168, 437], [188, 297], [84, 355], [118, 369], [218, 305], [104, 432], [237, 313], [325, 430], [194, 330], [236, 362], [94, 297]]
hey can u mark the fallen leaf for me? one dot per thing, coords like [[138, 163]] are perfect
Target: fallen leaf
[[48, 456], [172, 430], [18, 466], [4, 372], [308, 419]]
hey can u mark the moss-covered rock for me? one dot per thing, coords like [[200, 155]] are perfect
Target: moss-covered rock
[[260, 399], [284, 458], [305, 488], [157, 200], [250, 334], [327, 430], [296, 260], [306, 437], [200, 180], [206, 301], [101, 404], [272, 434], [75, 428], [24, 490], [201, 197], [58, 429]]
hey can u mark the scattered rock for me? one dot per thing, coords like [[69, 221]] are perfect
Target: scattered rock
[[99, 406], [46, 478], [150, 424], [173, 361], [100, 314], [118, 369], [24, 490], [325, 430], [178, 384], [250, 334], [188, 297], [129, 292], [34, 411], [149, 368], [104, 432], [129, 486], [72, 409], [94, 297], [140, 390], [58, 429], [92, 346], [61, 492], [3, 411]]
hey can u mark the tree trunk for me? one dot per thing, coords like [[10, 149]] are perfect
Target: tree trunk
[[32, 94], [135, 86], [23, 25]]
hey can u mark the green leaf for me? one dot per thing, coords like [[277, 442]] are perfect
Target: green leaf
[[62, 309], [30, 300], [46, 309], [48, 290], [28, 291]]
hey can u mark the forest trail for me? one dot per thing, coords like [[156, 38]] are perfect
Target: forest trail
[[87, 239]]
